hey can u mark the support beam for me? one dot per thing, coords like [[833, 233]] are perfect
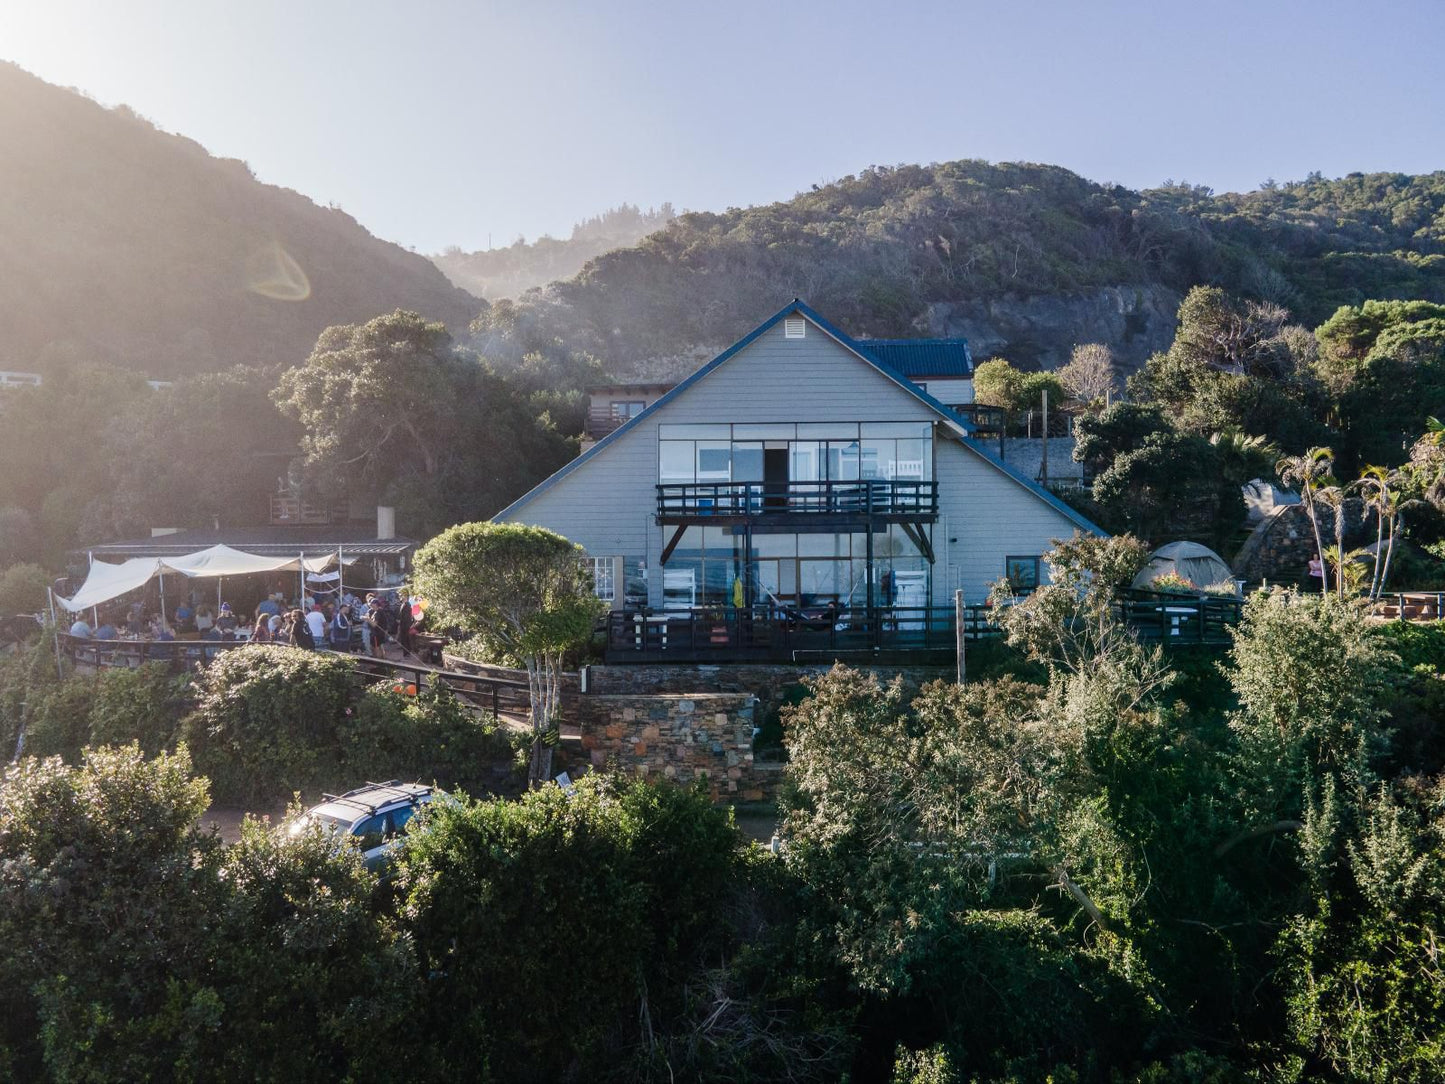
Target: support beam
[[915, 533], [672, 544]]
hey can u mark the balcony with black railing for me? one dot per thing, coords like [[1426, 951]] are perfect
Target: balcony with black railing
[[896, 500]]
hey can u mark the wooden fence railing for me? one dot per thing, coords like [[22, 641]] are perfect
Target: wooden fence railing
[[507, 699]]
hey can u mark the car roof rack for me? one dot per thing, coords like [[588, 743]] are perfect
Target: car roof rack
[[352, 797]]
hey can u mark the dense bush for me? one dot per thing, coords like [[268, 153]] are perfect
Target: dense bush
[[267, 721], [429, 736], [137, 948], [22, 589], [558, 927]]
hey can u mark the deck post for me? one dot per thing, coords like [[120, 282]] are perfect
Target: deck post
[[958, 635]]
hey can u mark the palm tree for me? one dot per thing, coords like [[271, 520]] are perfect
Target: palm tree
[[1309, 471], [1334, 496], [1381, 489]]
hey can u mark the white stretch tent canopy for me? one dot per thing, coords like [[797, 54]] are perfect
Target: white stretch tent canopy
[[106, 581]]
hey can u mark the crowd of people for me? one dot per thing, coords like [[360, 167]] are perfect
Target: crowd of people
[[370, 624]]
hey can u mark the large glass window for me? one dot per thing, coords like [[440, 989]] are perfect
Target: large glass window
[[832, 451], [675, 461]]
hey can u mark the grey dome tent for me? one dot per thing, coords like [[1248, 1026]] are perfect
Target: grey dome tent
[[1198, 564]]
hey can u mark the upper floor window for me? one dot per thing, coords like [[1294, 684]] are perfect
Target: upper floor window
[[806, 451], [625, 410]]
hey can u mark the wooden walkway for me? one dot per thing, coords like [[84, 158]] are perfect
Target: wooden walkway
[[508, 700]]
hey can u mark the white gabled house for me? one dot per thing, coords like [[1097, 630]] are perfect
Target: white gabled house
[[801, 470]]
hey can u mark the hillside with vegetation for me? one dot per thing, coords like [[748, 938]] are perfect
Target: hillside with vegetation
[[494, 273], [130, 246], [1025, 260]]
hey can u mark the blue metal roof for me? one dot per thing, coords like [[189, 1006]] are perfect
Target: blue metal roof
[[916, 358], [796, 306]]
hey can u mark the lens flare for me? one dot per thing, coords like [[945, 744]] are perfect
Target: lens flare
[[272, 273]]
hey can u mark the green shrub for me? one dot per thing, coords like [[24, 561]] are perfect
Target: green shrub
[[1416, 644], [267, 721], [143, 705], [556, 925], [431, 736], [23, 589], [105, 888], [57, 717], [138, 948]]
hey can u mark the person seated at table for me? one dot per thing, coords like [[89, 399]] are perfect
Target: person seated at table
[[204, 617], [213, 633], [276, 628], [227, 621], [261, 633], [80, 629], [107, 631], [163, 632]]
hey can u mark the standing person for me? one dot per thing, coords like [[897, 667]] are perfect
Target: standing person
[[363, 618], [404, 623], [377, 621], [341, 630], [183, 617], [316, 625], [298, 632]]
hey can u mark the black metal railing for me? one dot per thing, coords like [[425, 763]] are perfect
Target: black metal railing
[[865, 497], [762, 633], [1157, 617]]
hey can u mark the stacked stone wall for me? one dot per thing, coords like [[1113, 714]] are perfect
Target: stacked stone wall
[[702, 737], [1279, 549]]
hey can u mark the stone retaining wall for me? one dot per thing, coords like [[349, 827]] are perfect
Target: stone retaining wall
[[763, 680], [1279, 549], [703, 737]]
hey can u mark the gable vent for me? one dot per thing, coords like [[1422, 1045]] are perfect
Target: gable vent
[[794, 327]]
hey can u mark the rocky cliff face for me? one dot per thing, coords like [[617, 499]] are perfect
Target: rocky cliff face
[[1041, 332]]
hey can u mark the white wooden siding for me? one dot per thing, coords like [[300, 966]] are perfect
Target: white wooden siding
[[606, 503]]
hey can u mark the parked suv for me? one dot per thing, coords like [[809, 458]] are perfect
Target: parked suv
[[376, 814]]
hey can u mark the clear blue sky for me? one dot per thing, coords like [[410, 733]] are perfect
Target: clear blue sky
[[437, 123]]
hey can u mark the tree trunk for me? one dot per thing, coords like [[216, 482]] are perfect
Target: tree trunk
[[1375, 582], [539, 768], [1397, 527], [1340, 548], [1309, 503]]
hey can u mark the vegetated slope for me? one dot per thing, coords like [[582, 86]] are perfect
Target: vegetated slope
[[512, 271], [1026, 260], [123, 244]]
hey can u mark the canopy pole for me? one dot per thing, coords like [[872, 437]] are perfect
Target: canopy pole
[[55, 631], [165, 618], [301, 576], [340, 579], [219, 580]]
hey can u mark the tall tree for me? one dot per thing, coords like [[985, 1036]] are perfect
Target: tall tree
[[527, 594], [1090, 374], [392, 410]]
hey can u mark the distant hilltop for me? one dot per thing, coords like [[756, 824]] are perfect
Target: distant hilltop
[[130, 246], [1023, 260]]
